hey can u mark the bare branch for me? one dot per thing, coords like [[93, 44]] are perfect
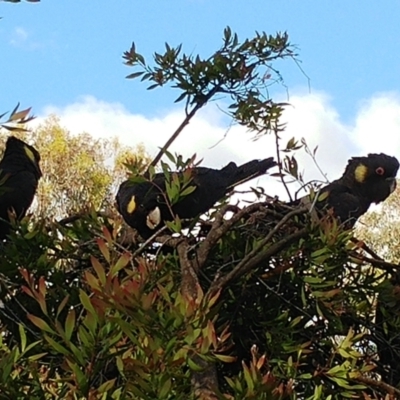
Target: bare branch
[[185, 122], [258, 254], [379, 384], [220, 228]]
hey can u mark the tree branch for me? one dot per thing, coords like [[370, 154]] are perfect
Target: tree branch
[[259, 254], [205, 382], [185, 122], [221, 227], [387, 266], [379, 384]]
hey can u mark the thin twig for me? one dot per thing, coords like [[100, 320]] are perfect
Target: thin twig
[[185, 122], [278, 157], [149, 240]]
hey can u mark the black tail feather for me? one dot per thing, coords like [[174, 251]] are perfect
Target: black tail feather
[[248, 171]]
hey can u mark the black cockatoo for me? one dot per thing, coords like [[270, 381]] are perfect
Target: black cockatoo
[[19, 176], [366, 180], [144, 206]]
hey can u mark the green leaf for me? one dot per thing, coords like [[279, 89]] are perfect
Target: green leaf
[[69, 324], [23, 337], [40, 323], [57, 346], [120, 264], [134, 75], [85, 300], [165, 389]]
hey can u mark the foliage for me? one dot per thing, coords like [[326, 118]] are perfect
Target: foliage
[[79, 171], [385, 221], [15, 119], [265, 304], [242, 72]]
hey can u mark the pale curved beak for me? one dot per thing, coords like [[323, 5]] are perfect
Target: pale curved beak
[[153, 218]]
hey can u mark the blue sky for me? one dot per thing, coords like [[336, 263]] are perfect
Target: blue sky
[[55, 51], [65, 56]]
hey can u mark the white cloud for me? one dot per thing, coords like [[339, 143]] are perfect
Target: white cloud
[[19, 36], [24, 39], [376, 129]]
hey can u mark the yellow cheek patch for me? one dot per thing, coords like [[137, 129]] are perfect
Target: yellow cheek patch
[[361, 173], [30, 154], [131, 207]]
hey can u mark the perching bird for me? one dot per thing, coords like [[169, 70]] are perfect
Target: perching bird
[[366, 180], [19, 176], [145, 207]]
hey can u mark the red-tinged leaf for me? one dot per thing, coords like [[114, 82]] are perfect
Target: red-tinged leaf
[[99, 269], [26, 275], [224, 358], [148, 300], [62, 305], [42, 286], [59, 329], [27, 291], [91, 280], [200, 294], [120, 264], [213, 299], [261, 362], [211, 335], [69, 324], [104, 249], [132, 288], [20, 115], [107, 235], [40, 323], [205, 345], [42, 302], [85, 300], [143, 272]]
